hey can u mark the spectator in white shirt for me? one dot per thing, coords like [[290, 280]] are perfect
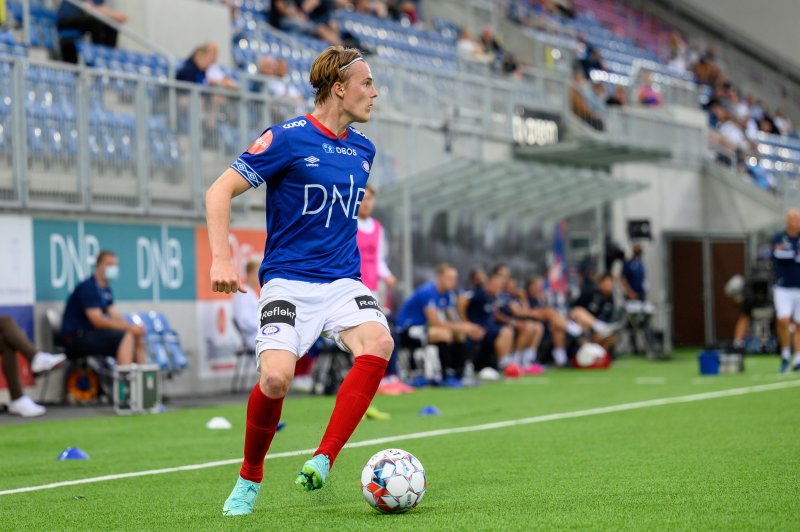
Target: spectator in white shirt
[[245, 305]]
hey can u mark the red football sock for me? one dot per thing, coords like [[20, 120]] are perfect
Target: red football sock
[[263, 415], [352, 401]]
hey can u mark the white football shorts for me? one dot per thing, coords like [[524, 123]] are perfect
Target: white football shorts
[[293, 314], [787, 303]]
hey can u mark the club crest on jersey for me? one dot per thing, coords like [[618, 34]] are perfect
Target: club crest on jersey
[[365, 166], [327, 148], [261, 144]]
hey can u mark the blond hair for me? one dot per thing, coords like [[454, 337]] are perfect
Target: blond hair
[[331, 67]]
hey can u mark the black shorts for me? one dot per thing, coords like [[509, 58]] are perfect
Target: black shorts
[[747, 306], [97, 342]]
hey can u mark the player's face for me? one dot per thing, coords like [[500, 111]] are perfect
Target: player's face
[[359, 92], [607, 286], [365, 210], [450, 279], [793, 222]]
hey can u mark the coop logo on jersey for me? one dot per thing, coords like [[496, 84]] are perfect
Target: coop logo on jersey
[[296, 123], [365, 166], [278, 312], [327, 148], [261, 144], [269, 330], [312, 161]]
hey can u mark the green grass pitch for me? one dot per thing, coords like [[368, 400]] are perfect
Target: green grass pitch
[[717, 464]]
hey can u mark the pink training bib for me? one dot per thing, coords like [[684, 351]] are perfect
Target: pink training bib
[[368, 244]]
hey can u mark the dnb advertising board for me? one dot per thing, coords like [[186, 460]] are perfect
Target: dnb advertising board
[[156, 262]]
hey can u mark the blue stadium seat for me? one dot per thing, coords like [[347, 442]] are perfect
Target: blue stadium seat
[[156, 350], [170, 339]]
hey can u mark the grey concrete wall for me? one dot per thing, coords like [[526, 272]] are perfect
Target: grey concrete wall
[[179, 25]]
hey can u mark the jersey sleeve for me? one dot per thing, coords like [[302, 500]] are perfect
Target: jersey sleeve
[[267, 156], [89, 297]]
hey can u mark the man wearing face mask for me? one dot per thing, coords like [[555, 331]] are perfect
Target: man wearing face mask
[[93, 326]]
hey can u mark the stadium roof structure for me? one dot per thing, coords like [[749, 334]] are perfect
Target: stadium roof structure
[[523, 191], [589, 152]]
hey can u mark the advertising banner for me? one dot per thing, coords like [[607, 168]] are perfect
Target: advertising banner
[[220, 340], [156, 261]]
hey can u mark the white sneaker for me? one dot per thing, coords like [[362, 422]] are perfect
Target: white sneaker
[[489, 374], [25, 407], [43, 362]]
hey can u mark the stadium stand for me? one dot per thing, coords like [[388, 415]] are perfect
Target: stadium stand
[[116, 134]]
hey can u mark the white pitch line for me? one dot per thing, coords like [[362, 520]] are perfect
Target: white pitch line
[[434, 433]]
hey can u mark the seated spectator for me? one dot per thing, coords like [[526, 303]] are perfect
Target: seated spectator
[[579, 92], [479, 307], [617, 98], [70, 17], [278, 85], [217, 76], [539, 308], [590, 58], [404, 12], [245, 305], [648, 92], [92, 325], [375, 8], [705, 71], [13, 340], [782, 123], [469, 49], [306, 17], [594, 311], [512, 310], [504, 60], [678, 53], [428, 316], [597, 98], [194, 69]]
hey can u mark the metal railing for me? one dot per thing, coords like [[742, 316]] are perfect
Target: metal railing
[[80, 139]]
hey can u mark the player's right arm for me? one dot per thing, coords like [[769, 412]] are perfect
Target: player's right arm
[[224, 277]]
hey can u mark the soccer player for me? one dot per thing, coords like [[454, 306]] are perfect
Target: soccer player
[[480, 307], [786, 291], [429, 316], [316, 168], [372, 247], [594, 311], [513, 310], [539, 308]]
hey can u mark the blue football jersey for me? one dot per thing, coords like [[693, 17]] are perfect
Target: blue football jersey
[[785, 260], [315, 185]]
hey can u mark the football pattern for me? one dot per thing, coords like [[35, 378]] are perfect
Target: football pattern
[[393, 481]]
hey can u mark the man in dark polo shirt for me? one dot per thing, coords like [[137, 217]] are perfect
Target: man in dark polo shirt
[[93, 326]]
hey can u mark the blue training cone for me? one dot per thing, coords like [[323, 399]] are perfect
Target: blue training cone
[[72, 453], [430, 410]]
